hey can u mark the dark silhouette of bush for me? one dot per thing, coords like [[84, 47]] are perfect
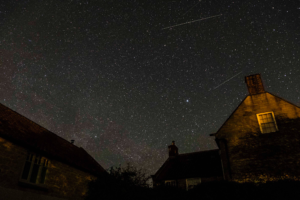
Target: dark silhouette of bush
[[224, 190], [283, 189], [121, 182], [168, 193], [131, 183]]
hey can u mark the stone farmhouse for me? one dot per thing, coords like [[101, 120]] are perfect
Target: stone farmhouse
[[37, 164], [260, 139], [259, 142], [187, 170]]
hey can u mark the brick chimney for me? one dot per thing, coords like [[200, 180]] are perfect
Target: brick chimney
[[254, 84], [173, 150]]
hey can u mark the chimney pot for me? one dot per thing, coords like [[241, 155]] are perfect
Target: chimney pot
[[173, 150], [254, 84]]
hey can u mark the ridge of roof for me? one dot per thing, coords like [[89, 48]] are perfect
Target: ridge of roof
[[199, 152], [283, 99]]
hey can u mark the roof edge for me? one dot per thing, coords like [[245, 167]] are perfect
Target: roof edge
[[36, 124], [32, 148], [283, 99], [160, 169], [198, 152], [231, 114]]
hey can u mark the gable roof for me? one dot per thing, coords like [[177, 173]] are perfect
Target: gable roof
[[190, 165], [242, 103], [229, 116], [283, 99], [24, 132]]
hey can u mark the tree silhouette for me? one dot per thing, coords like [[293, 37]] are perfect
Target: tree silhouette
[[122, 182]]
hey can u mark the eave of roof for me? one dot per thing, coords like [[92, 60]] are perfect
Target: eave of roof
[[19, 129]]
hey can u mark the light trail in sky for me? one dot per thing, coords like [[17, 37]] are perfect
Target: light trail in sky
[[227, 80], [192, 21], [191, 7]]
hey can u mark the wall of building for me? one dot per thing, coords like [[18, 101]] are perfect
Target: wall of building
[[211, 179], [254, 156], [181, 183], [61, 180]]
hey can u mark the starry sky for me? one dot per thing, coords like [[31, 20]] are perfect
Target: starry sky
[[113, 77]]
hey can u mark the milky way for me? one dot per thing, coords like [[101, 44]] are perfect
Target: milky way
[[105, 74]]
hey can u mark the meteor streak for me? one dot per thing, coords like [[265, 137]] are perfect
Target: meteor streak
[[227, 80], [191, 8], [192, 21]]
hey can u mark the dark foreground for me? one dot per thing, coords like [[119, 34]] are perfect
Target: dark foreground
[[287, 189]]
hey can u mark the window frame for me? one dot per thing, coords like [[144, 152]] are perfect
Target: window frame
[[195, 181], [39, 180], [259, 122], [171, 183]]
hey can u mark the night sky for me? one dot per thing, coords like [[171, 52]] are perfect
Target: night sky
[[111, 76]]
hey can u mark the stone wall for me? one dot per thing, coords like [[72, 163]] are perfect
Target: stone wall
[[62, 180], [257, 157]]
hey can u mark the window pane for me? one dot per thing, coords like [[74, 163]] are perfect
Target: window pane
[[37, 160], [34, 173], [273, 129], [26, 170], [268, 127], [264, 130], [267, 122], [272, 126], [43, 175], [264, 116], [269, 118]]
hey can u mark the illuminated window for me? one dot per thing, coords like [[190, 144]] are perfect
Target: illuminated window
[[192, 182], [35, 169], [267, 122], [170, 183]]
